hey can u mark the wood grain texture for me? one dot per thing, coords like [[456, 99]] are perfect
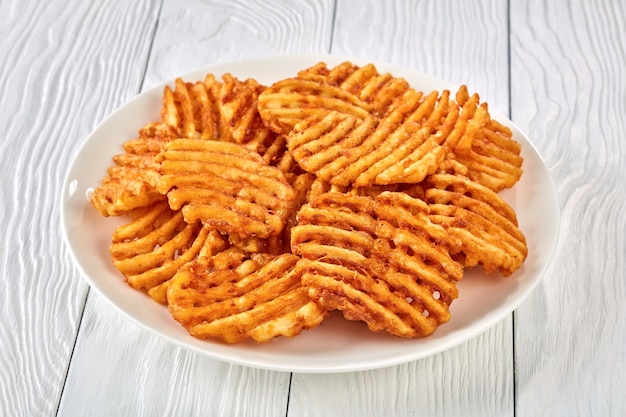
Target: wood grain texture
[[133, 373], [166, 380], [569, 89], [195, 33], [459, 43], [473, 379], [65, 64], [474, 51]]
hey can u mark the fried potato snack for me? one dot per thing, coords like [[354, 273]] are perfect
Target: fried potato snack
[[192, 109], [379, 260], [225, 185], [261, 298], [345, 150], [494, 158], [151, 248], [131, 183], [253, 211], [484, 223], [381, 91], [288, 101]]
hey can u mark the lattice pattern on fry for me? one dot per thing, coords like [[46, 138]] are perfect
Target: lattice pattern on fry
[[378, 260], [288, 101], [260, 299], [381, 91], [192, 109], [484, 223], [238, 109], [151, 248], [225, 185], [131, 183], [494, 158], [344, 150]]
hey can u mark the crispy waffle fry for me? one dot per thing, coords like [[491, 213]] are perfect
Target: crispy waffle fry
[[214, 244], [378, 260], [484, 223], [131, 183], [261, 299], [288, 101], [381, 91], [226, 186], [238, 109], [151, 248], [494, 158], [191, 109], [343, 150]]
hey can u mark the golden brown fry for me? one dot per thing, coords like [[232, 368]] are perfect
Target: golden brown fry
[[225, 185], [484, 223], [494, 159], [379, 260], [288, 101], [190, 109], [345, 150], [131, 183], [149, 250], [381, 91], [261, 302]]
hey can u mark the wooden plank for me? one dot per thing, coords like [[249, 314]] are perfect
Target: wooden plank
[[120, 369], [142, 374], [568, 76], [193, 34], [473, 379], [461, 43], [65, 64]]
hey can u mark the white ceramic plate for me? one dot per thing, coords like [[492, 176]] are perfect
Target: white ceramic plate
[[337, 345]]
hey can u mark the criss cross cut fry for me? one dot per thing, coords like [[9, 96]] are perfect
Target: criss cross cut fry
[[225, 185], [150, 249], [192, 109], [381, 91], [131, 183], [260, 299], [288, 101], [484, 223], [379, 260], [493, 159], [403, 147]]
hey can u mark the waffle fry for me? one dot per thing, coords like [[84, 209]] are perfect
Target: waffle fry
[[343, 150], [151, 248], [381, 91], [261, 299], [132, 181], [226, 186], [191, 109], [484, 223], [288, 101], [494, 158], [378, 260]]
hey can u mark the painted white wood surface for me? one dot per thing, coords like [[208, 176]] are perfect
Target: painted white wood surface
[[568, 67], [67, 64], [64, 66]]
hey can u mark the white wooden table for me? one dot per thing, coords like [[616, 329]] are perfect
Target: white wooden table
[[557, 68]]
